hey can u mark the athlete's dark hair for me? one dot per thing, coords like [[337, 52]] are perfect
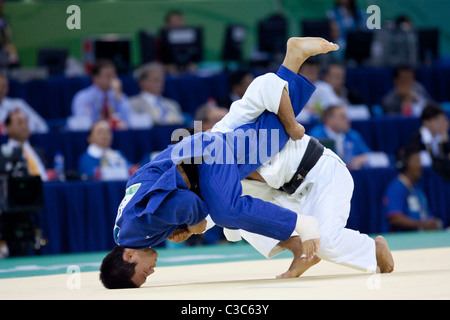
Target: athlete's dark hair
[[116, 273]]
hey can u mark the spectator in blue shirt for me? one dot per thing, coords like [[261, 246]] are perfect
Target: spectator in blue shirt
[[100, 161], [103, 100], [346, 142], [405, 203]]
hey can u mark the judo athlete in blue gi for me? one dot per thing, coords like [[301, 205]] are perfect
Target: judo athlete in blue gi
[[201, 174]]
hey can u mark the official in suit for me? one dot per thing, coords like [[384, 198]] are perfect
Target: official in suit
[[16, 124], [150, 102]]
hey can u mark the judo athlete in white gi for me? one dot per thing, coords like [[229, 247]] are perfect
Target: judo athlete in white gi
[[324, 193]]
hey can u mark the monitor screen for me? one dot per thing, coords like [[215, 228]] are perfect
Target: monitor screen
[[117, 50], [181, 46], [428, 44], [272, 34], [359, 45], [316, 28], [234, 38], [54, 59], [24, 192], [148, 48]]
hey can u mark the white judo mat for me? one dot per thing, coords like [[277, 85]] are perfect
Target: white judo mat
[[418, 274]]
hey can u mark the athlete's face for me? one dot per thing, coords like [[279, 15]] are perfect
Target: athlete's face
[[145, 260]]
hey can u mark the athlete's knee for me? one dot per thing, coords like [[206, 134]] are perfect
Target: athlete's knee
[[225, 216]]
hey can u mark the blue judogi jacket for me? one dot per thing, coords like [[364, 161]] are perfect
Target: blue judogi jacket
[[157, 201]]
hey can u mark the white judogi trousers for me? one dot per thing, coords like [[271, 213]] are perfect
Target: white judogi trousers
[[324, 194]]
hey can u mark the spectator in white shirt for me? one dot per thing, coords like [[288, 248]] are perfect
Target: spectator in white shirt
[[150, 102], [35, 122], [335, 76], [322, 98]]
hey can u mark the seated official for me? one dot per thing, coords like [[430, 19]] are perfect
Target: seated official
[[432, 137], [100, 161], [238, 82], [408, 97], [103, 100], [348, 143], [405, 203], [35, 122], [18, 130], [322, 98], [150, 103], [335, 76], [209, 114]]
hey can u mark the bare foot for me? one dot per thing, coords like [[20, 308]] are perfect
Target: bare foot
[[385, 261], [298, 267], [310, 248], [300, 49]]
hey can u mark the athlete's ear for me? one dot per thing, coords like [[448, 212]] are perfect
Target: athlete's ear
[[127, 254]]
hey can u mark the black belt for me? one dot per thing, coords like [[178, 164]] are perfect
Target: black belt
[[191, 171], [313, 152]]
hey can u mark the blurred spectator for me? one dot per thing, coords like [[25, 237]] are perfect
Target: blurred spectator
[[103, 100], [16, 124], [335, 76], [174, 19], [345, 17], [432, 139], [239, 82], [323, 97], [99, 161], [348, 143], [8, 51], [408, 97], [396, 44], [404, 23], [35, 122], [404, 45], [150, 102], [405, 203], [209, 114]]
